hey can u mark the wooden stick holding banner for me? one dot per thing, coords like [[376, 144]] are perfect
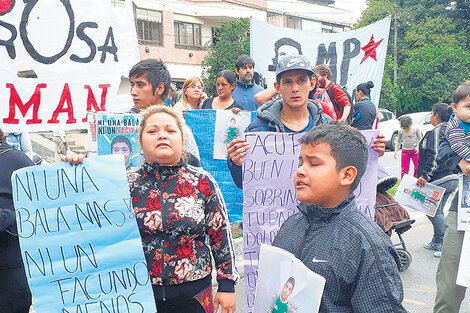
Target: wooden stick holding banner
[[79, 240]]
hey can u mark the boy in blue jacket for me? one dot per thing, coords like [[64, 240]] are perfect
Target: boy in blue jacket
[[331, 236]]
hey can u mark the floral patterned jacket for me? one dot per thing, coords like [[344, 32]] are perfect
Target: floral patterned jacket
[[176, 208]]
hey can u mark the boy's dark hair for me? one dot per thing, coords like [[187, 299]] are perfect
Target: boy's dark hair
[[348, 146], [119, 139], [365, 87], [228, 75], [292, 281], [244, 60], [323, 69], [310, 76], [155, 71], [405, 122], [443, 110], [462, 92]]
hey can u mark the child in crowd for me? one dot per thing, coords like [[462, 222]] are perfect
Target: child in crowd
[[330, 235], [459, 124], [408, 139]]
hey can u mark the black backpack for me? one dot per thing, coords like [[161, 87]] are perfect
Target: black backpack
[[337, 109]]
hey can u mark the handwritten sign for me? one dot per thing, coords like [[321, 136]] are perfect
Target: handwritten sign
[[74, 53], [202, 123], [79, 241], [269, 197]]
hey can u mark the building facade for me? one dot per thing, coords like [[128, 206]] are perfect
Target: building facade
[[180, 31]]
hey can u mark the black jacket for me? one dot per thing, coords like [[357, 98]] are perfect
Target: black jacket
[[351, 252], [429, 168], [364, 113], [14, 291]]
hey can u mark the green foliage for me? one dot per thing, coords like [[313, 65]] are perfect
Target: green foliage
[[433, 56], [232, 40]]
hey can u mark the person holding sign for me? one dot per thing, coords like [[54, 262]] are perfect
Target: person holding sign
[[15, 296], [176, 207], [294, 113], [429, 170], [330, 235]]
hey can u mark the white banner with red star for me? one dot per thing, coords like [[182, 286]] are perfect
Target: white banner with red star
[[354, 57]]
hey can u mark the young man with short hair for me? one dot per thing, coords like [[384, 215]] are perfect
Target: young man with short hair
[[331, 236], [150, 81], [245, 90], [331, 93]]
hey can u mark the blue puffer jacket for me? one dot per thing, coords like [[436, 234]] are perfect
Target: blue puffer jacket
[[268, 119], [351, 252]]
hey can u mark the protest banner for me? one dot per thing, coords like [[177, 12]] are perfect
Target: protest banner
[[119, 134], [424, 199], [269, 196], [354, 57], [366, 191], [202, 124], [74, 53], [463, 214], [285, 284], [463, 274], [228, 126], [79, 240]]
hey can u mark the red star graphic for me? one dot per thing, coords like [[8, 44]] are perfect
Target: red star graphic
[[369, 49]]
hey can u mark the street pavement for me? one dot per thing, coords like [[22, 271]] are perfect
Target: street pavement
[[418, 280]]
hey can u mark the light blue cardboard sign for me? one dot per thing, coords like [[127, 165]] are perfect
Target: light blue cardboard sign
[[119, 134], [79, 240], [202, 123]]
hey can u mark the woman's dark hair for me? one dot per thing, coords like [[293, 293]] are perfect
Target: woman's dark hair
[[365, 87], [2, 135], [443, 110], [462, 92], [228, 75], [406, 122]]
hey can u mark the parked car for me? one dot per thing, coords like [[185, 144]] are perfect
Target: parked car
[[421, 120], [389, 126]]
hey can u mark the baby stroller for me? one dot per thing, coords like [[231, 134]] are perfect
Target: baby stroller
[[391, 216]]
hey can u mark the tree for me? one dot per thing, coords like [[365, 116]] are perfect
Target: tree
[[433, 56], [231, 40]]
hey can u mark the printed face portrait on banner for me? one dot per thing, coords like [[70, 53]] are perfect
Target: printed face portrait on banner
[[354, 57]]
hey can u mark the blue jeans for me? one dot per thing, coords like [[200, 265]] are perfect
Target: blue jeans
[[449, 183]]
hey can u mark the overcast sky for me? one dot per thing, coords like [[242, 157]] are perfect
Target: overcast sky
[[355, 6]]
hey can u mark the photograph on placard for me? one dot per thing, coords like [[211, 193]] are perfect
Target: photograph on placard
[[285, 284], [119, 134], [425, 199], [228, 126]]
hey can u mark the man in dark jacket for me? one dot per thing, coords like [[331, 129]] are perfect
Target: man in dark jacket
[[15, 296], [331, 236]]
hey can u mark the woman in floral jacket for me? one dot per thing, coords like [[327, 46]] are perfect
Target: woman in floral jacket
[[176, 207]]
